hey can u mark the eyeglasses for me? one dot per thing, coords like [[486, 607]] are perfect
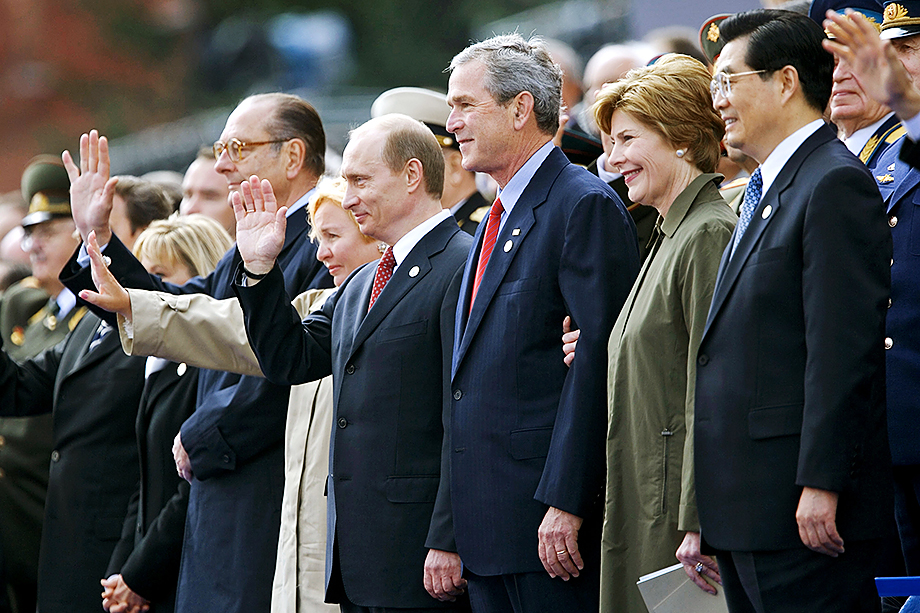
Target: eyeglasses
[[722, 82], [235, 147]]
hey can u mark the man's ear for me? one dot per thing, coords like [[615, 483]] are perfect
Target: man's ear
[[522, 104], [414, 174], [789, 82], [293, 154]]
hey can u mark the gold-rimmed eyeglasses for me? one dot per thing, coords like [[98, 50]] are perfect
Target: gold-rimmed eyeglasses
[[235, 147], [722, 82]]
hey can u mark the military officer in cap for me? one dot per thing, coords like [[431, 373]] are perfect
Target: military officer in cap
[[36, 313], [461, 195], [886, 64]]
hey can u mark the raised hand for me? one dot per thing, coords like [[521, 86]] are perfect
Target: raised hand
[[873, 61], [111, 296], [260, 224], [91, 188]]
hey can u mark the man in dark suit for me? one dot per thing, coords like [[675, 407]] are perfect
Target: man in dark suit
[[385, 337], [527, 435], [231, 448], [792, 462]]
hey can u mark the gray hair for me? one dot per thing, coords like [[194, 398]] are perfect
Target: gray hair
[[514, 65]]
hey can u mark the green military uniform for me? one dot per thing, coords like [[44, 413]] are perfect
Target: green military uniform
[[30, 322]]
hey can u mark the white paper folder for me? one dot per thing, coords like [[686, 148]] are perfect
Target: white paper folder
[[669, 590]]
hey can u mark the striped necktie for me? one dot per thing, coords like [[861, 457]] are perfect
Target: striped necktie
[[488, 243]]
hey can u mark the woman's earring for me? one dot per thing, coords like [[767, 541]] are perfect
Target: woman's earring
[[681, 153]]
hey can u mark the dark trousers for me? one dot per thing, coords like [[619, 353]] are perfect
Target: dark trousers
[[534, 593], [907, 514], [349, 607], [796, 580]]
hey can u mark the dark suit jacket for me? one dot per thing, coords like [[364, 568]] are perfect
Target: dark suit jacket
[[93, 397], [389, 372], [149, 551], [526, 431], [472, 204], [790, 386], [235, 443]]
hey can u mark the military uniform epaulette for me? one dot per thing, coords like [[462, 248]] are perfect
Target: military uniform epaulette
[[886, 138], [479, 214], [30, 282], [739, 182]]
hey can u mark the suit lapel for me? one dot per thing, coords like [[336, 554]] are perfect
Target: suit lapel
[[507, 245], [730, 269], [905, 179], [410, 272]]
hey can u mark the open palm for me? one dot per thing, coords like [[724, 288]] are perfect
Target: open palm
[[91, 188], [260, 224]]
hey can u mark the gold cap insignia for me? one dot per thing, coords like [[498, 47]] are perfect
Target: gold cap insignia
[[18, 336], [894, 12], [885, 178], [713, 33], [51, 322]]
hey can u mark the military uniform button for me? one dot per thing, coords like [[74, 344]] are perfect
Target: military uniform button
[[458, 394], [2, 441], [342, 422], [703, 360], [893, 221], [889, 343], [55, 455], [226, 458], [2, 473], [889, 303]]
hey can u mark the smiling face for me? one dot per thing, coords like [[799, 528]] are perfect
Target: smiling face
[[650, 167], [247, 123], [49, 245], [749, 111], [484, 129], [342, 247], [374, 194]]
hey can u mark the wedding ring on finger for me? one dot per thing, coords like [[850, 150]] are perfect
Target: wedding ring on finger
[[561, 553], [699, 567]]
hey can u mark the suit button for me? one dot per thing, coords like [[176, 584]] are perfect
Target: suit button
[[342, 422], [703, 360], [892, 221], [225, 458], [458, 394], [889, 343], [889, 303], [892, 262], [55, 455], [350, 369]]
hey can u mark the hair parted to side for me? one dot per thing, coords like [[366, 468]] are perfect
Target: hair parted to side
[[195, 241], [672, 97], [294, 117], [330, 191], [513, 65], [780, 38], [145, 201], [408, 138]]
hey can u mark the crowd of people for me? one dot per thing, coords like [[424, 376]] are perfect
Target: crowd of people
[[516, 353]]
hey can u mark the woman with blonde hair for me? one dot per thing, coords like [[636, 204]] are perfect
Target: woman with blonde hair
[[665, 137]]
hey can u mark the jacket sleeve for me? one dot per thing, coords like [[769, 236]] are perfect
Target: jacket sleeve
[[28, 389], [599, 263]]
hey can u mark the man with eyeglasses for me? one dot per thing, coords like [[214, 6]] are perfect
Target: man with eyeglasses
[[792, 465], [231, 449]]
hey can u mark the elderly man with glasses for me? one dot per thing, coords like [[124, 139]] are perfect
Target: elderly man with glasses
[[231, 449]]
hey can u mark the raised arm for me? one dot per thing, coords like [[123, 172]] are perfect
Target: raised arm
[[91, 188]]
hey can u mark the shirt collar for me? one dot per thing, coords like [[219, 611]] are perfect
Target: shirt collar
[[603, 174], [66, 301], [774, 163], [859, 138], [300, 203], [682, 203], [410, 239]]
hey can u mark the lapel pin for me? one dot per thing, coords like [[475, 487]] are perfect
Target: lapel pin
[[885, 178], [766, 212], [892, 166], [413, 272], [180, 370], [508, 246], [516, 232]]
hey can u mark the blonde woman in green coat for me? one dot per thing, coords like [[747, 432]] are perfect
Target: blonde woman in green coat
[[665, 137]]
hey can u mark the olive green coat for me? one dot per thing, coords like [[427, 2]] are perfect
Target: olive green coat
[[652, 350]]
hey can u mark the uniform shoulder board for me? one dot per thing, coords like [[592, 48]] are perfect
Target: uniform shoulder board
[[480, 213], [76, 318], [895, 135]]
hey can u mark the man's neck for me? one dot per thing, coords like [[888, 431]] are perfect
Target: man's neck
[[530, 146], [421, 212], [792, 124]]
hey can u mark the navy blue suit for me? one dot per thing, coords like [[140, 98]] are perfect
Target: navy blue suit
[[389, 369], [526, 432], [235, 442]]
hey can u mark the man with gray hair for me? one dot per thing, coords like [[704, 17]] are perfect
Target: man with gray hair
[[527, 436]]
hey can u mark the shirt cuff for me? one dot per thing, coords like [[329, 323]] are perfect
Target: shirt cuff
[[83, 256]]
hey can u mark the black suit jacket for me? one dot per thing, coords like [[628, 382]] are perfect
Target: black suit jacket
[[93, 397], [149, 551], [790, 387], [389, 369], [234, 440], [527, 432]]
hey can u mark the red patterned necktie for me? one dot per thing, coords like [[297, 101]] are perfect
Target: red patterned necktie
[[384, 272], [488, 243]]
